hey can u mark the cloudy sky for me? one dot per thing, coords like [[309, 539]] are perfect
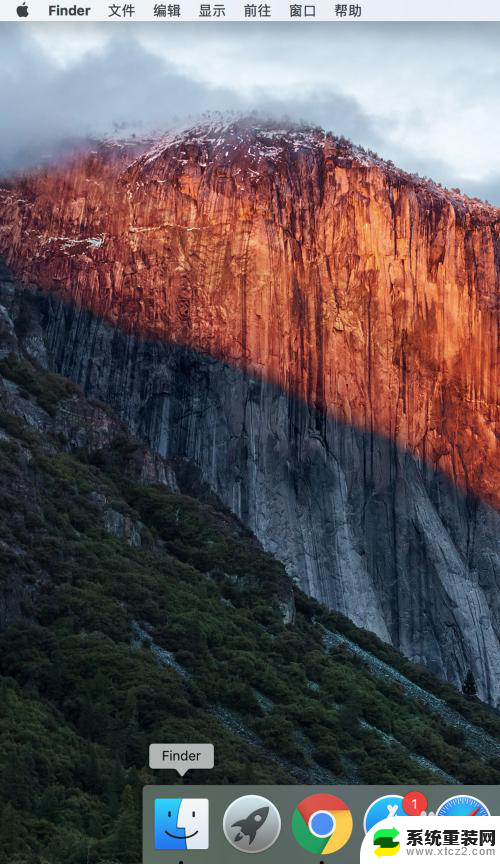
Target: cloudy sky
[[425, 96]]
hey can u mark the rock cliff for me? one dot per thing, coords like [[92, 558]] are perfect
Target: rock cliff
[[313, 328]]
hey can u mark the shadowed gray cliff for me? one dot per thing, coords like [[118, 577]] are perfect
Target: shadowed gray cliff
[[361, 525]]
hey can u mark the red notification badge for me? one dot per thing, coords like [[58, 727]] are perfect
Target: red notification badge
[[414, 803]]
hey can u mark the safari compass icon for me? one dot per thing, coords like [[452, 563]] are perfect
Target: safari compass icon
[[252, 824]]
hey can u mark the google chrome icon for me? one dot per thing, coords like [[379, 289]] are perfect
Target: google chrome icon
[[322, 824]]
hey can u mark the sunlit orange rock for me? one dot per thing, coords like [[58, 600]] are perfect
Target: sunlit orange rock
[[286, 252]]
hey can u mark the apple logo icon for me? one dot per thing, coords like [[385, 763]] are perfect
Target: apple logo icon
[[22, 11]]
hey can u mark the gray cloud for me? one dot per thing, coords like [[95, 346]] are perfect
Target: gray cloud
[[139, 81], [43, 105], [128, 88]]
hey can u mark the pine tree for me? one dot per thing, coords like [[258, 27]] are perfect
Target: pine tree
[[127, 835], [116, 785], [469, 686], [248, 778], [10, 831]]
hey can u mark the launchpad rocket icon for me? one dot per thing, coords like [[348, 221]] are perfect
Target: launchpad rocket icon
[[252, 824]]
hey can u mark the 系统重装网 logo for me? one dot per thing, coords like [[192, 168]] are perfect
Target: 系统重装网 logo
[[385, 842]]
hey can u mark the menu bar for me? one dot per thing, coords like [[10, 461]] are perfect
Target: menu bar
[[25, 11]]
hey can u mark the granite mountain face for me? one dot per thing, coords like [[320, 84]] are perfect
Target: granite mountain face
[[316, 331]]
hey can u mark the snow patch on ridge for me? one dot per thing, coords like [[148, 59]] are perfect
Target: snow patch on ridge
[[72, 242]]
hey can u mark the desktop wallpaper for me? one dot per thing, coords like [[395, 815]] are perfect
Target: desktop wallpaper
[[249, 471]]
